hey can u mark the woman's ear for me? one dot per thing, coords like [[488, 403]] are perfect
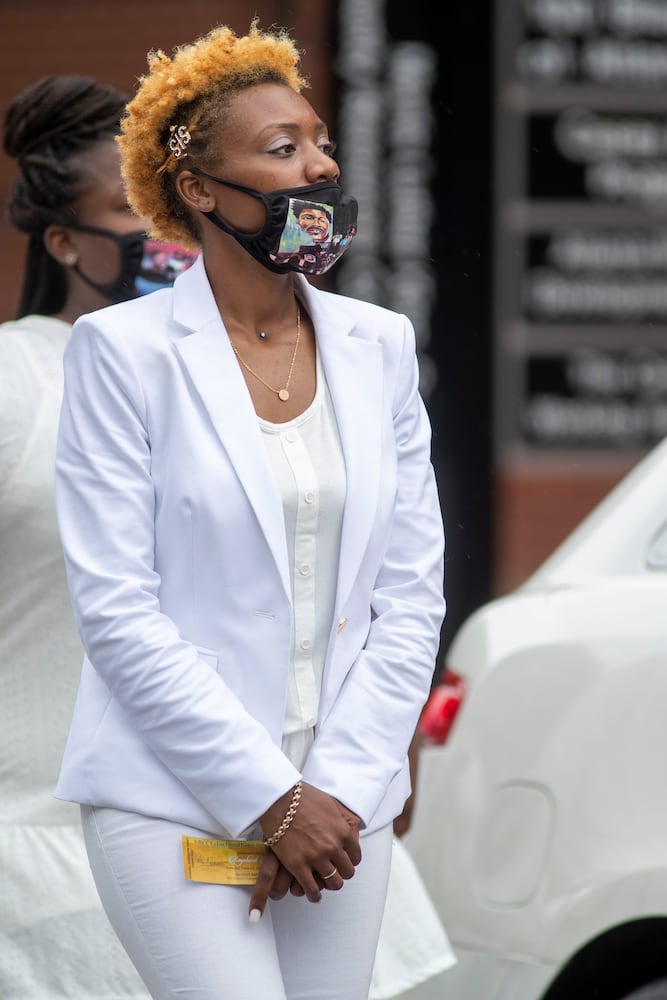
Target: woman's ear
[[60, 244], [193, 191]]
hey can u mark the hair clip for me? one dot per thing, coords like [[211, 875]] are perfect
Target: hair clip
[[178, 142], [180, 137]]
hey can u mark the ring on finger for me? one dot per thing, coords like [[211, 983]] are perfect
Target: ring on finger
[[325, 878]]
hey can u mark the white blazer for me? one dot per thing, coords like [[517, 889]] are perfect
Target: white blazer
[[174, 541]]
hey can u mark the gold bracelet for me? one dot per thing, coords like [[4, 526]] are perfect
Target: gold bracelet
[[289, 816]]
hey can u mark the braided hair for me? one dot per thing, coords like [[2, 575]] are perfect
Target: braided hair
[[46, 127]]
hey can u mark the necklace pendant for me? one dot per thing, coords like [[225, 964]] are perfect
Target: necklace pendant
[[284, 395], [263, 335]]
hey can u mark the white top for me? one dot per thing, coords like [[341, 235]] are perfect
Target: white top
[[56, 939], [307, 461]]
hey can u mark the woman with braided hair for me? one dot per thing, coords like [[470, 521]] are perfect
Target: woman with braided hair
[[254, 550], [85, 245], [55, 940]]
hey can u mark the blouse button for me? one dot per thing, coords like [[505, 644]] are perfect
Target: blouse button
[[304, 569], [306, 643], [309, 497]]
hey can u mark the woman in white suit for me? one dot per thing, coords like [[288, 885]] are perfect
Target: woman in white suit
[[254, 549]]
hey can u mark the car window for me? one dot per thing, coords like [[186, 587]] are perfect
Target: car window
[[657, 550]]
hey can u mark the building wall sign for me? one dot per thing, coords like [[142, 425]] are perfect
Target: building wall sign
[[581, 224]]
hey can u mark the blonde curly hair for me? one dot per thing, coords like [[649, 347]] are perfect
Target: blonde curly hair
[[191, 88]]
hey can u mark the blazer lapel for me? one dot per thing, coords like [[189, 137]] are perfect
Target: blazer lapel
[[353, 369], [209, 359]]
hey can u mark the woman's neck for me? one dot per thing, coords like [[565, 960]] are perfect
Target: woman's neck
[[249, 296]]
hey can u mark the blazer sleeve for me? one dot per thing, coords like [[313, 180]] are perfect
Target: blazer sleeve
[[106, 506], [362, 743]]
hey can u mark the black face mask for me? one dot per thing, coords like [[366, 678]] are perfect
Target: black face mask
[[131, 247], [283, 244]]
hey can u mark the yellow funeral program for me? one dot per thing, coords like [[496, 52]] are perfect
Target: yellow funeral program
[[224, 862]]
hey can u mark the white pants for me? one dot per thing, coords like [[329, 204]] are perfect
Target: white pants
[[193, 941]]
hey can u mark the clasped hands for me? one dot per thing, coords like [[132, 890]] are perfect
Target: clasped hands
[[320, 850]]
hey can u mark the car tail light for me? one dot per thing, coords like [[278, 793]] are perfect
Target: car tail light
[[441, 708]]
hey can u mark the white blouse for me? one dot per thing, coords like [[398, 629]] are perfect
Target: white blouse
[[307, 461]]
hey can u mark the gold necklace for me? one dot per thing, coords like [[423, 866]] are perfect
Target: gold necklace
[[282, 394]]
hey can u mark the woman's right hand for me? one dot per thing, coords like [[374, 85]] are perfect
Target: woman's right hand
[[323, 836]]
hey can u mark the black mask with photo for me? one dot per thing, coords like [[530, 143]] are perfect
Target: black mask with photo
[[145, 264], [279, 245]]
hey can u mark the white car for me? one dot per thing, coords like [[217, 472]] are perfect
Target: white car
[[541, 822]]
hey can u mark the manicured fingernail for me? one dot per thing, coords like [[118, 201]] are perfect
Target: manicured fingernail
[[255, 916]]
